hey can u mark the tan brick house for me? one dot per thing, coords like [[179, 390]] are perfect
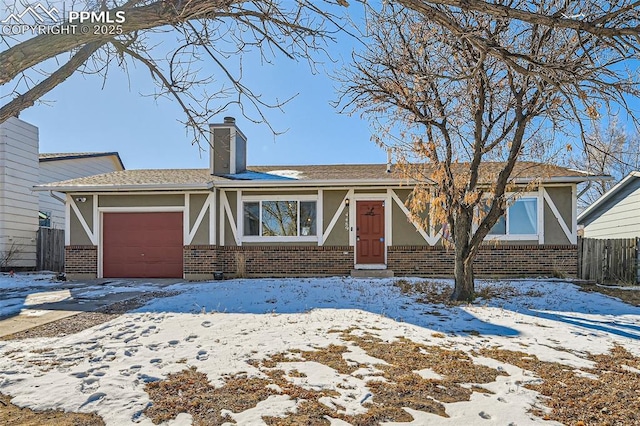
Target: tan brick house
[[295, 221]]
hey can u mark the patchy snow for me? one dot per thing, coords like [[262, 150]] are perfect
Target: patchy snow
[[251, 175], [22, 292], [291, 174], [25, 280], [113, 288], [220, 326]]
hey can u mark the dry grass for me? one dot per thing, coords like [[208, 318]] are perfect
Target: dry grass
[[190, 391], [572, 397], [11, 414], [429, 291], [631, 297], [439, 292], [611, 399]]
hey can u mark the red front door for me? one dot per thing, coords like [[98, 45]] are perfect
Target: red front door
[[370, 245]]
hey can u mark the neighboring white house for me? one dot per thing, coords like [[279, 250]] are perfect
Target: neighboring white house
[[22, 168], [617, 213], [18, 203], [63, 166]]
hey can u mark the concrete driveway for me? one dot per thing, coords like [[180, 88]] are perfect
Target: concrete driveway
[[29, 300]]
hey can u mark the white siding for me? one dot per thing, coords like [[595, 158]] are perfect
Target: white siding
[[18, 203], [618, 217], [54, 171]]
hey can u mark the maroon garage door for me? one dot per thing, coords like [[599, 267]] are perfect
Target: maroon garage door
[[142, 245]]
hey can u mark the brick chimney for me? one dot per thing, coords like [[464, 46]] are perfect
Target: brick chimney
[[228, 148]]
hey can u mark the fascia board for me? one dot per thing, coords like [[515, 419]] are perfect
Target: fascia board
[[123, 188], [607, 195]]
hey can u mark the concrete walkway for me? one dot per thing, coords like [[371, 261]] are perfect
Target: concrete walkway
[[44, 305]]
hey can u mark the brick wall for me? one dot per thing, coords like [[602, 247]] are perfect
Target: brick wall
[[81, 260], [492, 261], [199, 260], [268, 260]]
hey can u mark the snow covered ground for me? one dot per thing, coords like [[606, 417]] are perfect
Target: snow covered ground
[[220, 326], [27, 291]]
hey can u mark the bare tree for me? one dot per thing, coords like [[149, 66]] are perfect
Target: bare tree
[[204, 37], [456, 89], [192, 50], [610, 150]]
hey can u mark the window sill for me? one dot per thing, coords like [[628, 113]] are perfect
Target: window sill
[[524, 237], [301, 239]]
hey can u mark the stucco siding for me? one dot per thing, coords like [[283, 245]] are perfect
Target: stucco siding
[[54, 171], [232, 197], [331, 202], [196, 202], [78, 236], [562, 199], [618, 217], [160, 200], [86, 209], [228, 234], [18, 203], [404, 232]]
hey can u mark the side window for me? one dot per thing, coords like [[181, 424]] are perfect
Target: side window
[[521, 218], [44, 219]]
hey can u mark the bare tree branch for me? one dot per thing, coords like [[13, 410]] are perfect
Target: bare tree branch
[[26, 100], [470, 84]]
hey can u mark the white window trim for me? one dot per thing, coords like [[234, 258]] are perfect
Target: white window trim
[[278, 239], [539, 236]]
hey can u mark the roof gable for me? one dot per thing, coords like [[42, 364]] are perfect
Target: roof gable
[[59, 156], [610, 198]]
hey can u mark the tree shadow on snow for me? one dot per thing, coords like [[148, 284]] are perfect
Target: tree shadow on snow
[[299, 296]]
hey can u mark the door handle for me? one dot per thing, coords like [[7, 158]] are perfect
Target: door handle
[[382, 239]]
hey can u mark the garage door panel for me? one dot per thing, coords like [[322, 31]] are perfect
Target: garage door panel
[[142, 245]]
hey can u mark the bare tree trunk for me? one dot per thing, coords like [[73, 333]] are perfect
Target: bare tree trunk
[[464, 289]]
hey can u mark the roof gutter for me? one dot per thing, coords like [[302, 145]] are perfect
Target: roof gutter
[[564, 179], [380, 182], [258, 184], [125, 188], [582, 216]]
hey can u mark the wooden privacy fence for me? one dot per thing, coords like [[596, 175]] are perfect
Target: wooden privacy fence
[[50, 250], [612, 261]]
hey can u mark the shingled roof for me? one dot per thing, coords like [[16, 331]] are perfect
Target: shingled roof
[[260, 176], [57, 156]]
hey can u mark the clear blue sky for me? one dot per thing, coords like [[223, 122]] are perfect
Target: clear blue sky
[[84, 116]]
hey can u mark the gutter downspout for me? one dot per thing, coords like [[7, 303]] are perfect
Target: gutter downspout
[[586, 188], [56, 197]]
